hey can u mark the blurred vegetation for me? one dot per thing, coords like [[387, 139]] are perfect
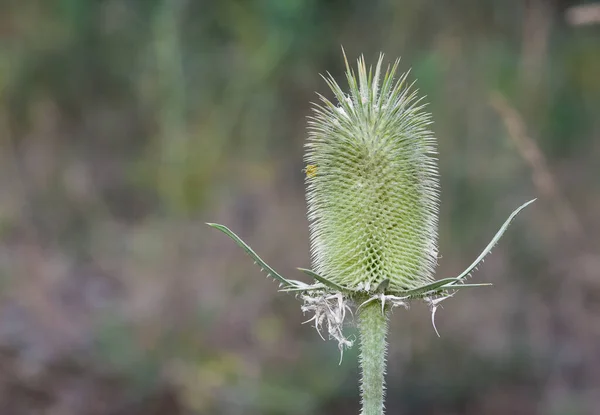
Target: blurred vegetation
[[127, 124]]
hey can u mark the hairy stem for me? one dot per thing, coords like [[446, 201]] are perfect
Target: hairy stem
[[373, 327]]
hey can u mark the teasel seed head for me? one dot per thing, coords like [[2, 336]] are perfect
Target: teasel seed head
[[373, 191]]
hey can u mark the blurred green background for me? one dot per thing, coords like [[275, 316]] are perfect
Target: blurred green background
[[127, 124]]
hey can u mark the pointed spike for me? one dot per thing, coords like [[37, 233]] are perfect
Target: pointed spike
[[383, 286], [458, 286], [433, 310], [434, 286]]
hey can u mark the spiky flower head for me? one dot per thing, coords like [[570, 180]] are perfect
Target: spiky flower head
[[372, 183]]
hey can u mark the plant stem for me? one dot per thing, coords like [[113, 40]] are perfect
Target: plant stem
[[372, 327]]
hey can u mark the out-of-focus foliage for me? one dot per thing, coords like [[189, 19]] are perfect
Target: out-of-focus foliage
[[127, 124]]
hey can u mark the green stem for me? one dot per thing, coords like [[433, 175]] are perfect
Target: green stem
[[372, 327]]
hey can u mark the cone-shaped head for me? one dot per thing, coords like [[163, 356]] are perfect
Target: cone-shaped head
[[372, 184]]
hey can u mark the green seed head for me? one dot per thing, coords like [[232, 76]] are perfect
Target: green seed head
[[372, 186]]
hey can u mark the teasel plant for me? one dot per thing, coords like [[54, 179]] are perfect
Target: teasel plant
[[372, 192]]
